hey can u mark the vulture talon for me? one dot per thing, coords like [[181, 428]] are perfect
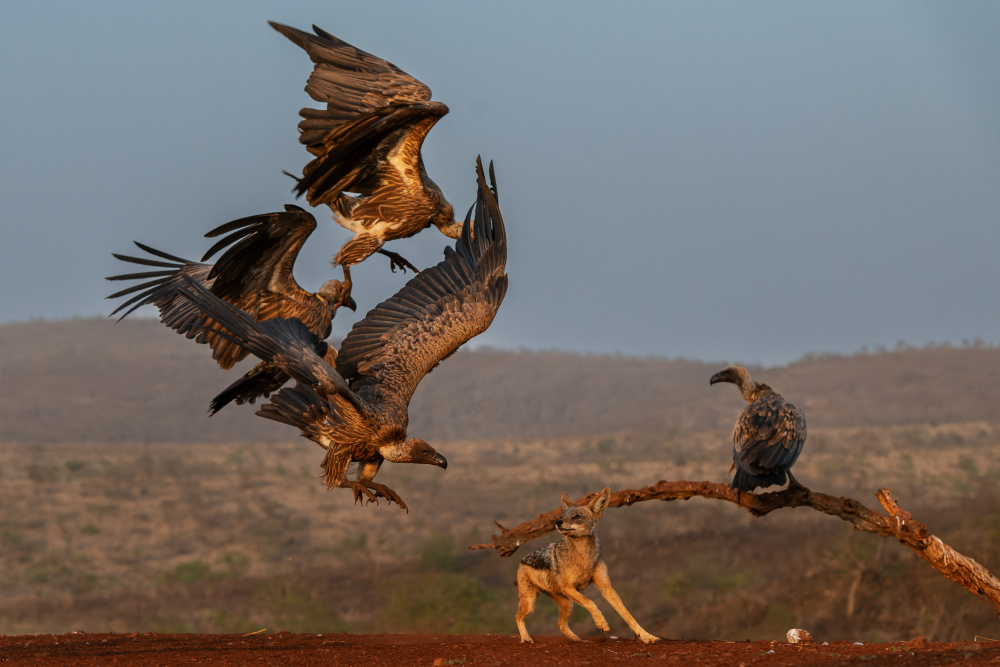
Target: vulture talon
[[397, 261], [360, 493], [387, 493]]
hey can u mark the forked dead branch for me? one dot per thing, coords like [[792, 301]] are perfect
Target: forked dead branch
[[897, 523]]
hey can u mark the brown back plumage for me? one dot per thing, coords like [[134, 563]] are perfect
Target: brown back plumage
[[768, 435]]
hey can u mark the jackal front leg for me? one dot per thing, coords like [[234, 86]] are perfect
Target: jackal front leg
[[585, 602], [603, 583]]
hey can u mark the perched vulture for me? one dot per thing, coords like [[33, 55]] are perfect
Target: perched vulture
[[254, 274], [357, 410], [367, 166], [767, 437]]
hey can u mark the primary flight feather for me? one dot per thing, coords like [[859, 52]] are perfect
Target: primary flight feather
[[254, 274]]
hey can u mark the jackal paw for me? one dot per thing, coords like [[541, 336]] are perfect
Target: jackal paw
[[647, 638], [602, 624], [527, 640]]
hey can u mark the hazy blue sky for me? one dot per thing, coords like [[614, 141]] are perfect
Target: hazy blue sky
[[716, 180]]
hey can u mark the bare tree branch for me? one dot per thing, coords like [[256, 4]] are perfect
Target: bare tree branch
[[899, 524]]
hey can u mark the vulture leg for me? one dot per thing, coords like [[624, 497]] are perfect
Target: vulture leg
[[363, 491], [364, 486], [397, 261], [794, 483]]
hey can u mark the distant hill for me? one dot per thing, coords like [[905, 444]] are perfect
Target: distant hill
[[136, 381]]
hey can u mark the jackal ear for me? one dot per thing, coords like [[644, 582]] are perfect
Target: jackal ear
[[566, 502], [600, 503]]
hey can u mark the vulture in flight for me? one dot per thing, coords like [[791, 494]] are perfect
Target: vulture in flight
[[254, 274], [768, 435], [356, 409], [367, 166]]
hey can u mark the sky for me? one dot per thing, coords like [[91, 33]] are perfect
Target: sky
[[724, 181]]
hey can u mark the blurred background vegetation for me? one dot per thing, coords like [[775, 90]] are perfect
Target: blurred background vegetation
[[125, 508]]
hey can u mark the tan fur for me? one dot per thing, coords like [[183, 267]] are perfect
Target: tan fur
[[563, 568]]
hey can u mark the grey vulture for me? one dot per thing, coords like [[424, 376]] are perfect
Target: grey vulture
[[357, 409], [367, 166], [254, 274], [768, 435]]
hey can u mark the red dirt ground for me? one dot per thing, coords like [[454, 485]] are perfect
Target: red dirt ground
[[285, 648]]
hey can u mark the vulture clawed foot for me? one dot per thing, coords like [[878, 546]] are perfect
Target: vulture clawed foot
[[364, 492], [383, 491], [397, 261], [360, 491]]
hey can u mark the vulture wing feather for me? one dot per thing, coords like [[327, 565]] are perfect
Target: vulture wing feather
[[286, 342], [388, 352]]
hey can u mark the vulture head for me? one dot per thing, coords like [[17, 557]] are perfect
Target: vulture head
[[735, 374], [331, 291], [738, 376], [445, 221], [414, 450]]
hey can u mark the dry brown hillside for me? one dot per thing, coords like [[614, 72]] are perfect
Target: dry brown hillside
[[128, 509], [94, 380]]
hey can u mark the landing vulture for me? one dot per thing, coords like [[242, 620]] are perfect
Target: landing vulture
[[367, 166], [357, 409], [254, 274], [768, 435]]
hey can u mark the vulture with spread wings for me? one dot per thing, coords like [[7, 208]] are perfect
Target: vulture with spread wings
[[768, 435], [357, 409], [255, 275], [367, 166]]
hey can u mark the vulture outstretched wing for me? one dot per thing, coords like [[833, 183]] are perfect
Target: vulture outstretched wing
[[769, 435], [255, 274], [350, 81], [175, 312], [374, 124], [386, 354], [255, 271]]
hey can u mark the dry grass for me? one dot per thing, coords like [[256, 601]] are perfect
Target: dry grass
[[240, 537]]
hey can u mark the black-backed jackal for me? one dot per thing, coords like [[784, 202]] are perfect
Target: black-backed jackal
[[562, 568]]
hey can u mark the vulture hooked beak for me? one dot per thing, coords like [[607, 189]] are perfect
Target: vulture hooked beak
[[440, 461], [734, 374]]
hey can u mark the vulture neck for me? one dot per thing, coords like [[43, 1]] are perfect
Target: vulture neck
[[395, 452], [753, 390], [452, 229]]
